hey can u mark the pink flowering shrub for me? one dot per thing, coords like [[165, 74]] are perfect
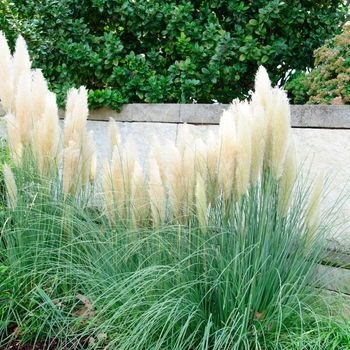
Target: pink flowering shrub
[[328, 82]]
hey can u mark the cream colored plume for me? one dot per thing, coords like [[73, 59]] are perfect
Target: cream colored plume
[[243, 154], [21, 62], [212, 165], [280, 132], [263, 94], [70, 132], [156, 153], [6, 74], [46, 137], [139, 196], [114, 136], [88, 154], [23, 103], [287, 181], [130, 157], [174, 179], [14, 138], [10, 186], [117, 186], [185, 137], [227, 150], [201, 156], [157, 193], [108, 191], [188, 180], [201, 203], [313, 210], [71, 169], [258, 129], [39, 91]]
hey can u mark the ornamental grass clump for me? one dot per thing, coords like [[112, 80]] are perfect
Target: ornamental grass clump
[[214, 244]]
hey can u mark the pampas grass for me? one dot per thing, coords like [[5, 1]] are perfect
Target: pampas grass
[[21, 62], [23, 104], [204, 249], [287, 181], [6, 74], [46, 138], [11, 186], [313, 210], [227, 153], [201, 203], [243, 156], [258, 129], [39, 90], [157, 193]]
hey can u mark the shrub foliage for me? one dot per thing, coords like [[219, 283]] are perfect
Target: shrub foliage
[[168, 51], [328, 82]]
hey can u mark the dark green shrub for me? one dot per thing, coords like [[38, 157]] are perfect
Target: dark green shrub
[[168, 51], [328, 82]]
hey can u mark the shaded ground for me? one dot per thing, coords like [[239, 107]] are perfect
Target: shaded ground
[[15, 343]]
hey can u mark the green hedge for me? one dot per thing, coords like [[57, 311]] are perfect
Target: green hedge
[[168, 51]]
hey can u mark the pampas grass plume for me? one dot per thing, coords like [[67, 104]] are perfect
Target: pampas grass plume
[[227, 134], [80, 111], [156, 153], [117, 181], [88, 151], [107, 186], [287, 181], [23, 103], [258, 129], [71, 169], [188, 179], [21, 61], [201, 203], [69, 121], [263, 94], [157, 193], [39, 91], [312, 218], [243, 155], [139, 195], [174, 179], [114, 136], [212, 164], [185, 137], [6, 74], [14, 138], [280, 132], [11, 186], [46, 137]]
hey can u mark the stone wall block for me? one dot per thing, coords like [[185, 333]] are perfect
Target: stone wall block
[[201, 113]]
